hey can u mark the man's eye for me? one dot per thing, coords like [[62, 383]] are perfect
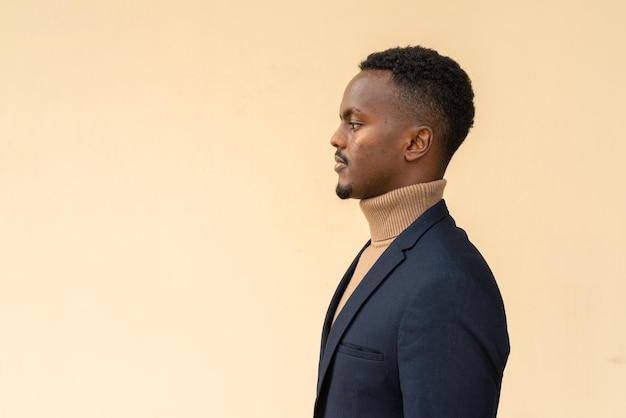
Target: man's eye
[[353, 125]]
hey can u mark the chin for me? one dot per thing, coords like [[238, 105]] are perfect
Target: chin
[[344, 191]]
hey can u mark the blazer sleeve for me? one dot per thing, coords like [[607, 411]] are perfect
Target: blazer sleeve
[[452, 349]]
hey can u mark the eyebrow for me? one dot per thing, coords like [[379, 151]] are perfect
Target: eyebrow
[[349, 112]]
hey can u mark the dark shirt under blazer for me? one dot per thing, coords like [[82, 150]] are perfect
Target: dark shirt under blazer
[[423, 335]]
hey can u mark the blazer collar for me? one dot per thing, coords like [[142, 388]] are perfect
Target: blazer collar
[[393, 255]]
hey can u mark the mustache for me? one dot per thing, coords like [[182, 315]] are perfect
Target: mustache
[[340, 156]]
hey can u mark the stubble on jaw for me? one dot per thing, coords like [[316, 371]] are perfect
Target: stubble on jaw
[[344, 192]]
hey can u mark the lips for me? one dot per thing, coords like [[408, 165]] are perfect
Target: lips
[[340, 162]]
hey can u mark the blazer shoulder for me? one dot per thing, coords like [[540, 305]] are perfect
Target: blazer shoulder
[[427, 220]]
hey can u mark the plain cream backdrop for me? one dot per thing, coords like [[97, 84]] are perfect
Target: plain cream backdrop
[[169, 233]]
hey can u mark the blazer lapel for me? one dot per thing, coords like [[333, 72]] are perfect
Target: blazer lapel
[[379, 271], [388, 261], [334, 302]]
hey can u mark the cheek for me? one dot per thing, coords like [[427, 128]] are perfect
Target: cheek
[[367, 151], [376, 144]]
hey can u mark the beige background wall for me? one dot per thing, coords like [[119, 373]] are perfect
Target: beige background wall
[[169, 233]]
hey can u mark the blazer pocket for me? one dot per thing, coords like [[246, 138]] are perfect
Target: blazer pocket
[[360, 352]]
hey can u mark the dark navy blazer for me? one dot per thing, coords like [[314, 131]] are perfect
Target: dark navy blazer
[[423, 335]]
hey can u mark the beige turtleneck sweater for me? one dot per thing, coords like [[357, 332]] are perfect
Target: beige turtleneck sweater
[[388, 215]]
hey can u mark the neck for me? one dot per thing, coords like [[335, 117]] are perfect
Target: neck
[[391, 213]]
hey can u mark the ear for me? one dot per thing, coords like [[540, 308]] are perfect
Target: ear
[[420, 143]]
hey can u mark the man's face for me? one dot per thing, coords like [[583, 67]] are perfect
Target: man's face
[[371, 138]]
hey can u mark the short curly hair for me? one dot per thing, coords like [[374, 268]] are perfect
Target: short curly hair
[[432, 88]]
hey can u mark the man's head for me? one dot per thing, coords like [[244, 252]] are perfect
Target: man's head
[[402, 118]]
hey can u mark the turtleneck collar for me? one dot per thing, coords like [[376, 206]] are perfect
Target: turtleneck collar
[[391, 213]]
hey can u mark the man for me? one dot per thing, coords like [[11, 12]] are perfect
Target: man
[[416, 327]]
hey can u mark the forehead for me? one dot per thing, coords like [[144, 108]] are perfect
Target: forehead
[[370, 91]]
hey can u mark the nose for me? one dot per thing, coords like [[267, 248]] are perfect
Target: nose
[[338, 140]]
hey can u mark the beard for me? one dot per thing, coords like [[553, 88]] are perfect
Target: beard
[[344, 191]]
